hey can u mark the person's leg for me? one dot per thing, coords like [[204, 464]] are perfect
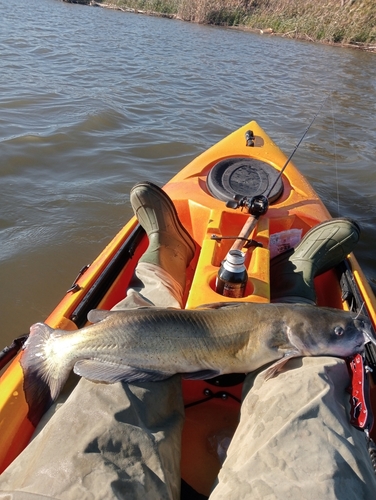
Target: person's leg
[[106, 441], [151, 286], [118, 440], [295, 440]]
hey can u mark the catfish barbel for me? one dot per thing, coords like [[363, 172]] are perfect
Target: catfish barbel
[[151, 344]]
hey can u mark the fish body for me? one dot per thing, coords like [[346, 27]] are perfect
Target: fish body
[[150, 344]]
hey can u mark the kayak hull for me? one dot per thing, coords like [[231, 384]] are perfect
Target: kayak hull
[[212, 225]]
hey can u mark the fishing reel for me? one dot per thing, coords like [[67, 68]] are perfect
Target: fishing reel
[[257, 205]]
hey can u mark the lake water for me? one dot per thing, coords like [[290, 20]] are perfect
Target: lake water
[[94, 100]]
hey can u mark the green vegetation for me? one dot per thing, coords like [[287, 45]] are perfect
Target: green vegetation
[[330, 21]]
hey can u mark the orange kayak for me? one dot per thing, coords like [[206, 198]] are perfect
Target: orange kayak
[[234, 166]]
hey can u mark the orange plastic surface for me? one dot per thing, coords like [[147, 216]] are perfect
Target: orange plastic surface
[[203, 216]]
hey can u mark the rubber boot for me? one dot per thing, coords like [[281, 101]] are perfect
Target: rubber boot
[[170, 245], [322, 248]]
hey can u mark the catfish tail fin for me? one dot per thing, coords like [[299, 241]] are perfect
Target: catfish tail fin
[[43, 377]]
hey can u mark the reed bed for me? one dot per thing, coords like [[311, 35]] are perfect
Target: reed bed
[[332, 21]]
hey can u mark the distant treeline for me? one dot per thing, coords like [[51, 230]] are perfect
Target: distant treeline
[[330, 21]]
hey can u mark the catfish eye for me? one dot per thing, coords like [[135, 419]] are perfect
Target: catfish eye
[[338, 330]]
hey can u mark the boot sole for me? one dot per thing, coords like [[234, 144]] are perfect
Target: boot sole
[[335, 222]]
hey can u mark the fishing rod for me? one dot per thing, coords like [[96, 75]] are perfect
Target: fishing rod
[[297, 146], [258, 205]]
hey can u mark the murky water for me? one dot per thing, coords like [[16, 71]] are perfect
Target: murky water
[[93, 101]]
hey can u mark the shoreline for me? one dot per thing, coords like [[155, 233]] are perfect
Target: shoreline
[[293, 34]]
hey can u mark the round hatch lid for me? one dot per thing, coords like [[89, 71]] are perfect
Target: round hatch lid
[[245, 177]]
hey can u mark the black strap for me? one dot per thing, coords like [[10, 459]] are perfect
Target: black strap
[[371, 446], [9, 352], [189, 493], [352, 295]]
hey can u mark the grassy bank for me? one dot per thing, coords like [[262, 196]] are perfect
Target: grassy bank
[[350, 22]]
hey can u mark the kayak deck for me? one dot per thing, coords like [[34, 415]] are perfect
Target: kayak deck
[[211, 224]]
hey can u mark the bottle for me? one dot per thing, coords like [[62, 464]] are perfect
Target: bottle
[[232, 276]]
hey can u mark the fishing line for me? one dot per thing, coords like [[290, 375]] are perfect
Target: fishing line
[[297, 146], [360, 310], [335, 153], [258, 205]]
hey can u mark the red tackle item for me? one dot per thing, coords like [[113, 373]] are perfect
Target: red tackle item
[[360, 412]]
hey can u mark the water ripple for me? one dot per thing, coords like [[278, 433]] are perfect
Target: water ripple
[[95, 100]]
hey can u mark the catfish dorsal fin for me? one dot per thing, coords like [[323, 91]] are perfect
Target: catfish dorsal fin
[[96, 315], [220, 305]]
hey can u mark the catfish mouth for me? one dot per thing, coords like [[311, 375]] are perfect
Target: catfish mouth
[[359, 348], [367, 339]]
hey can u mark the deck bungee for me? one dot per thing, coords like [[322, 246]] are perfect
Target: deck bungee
[[244, 165]]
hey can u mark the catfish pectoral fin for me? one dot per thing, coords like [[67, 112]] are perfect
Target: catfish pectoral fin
[[278, 365], [103, 371]]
